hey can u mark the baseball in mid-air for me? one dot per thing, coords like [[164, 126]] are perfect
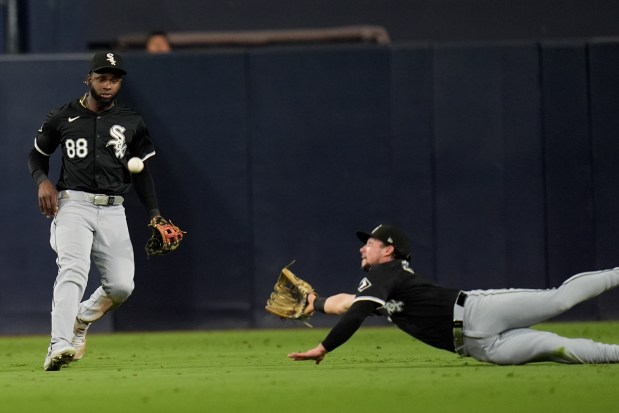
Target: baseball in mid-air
[[135, 165]]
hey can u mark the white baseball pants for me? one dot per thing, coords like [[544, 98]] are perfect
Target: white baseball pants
[[497, 323], [82, 231]]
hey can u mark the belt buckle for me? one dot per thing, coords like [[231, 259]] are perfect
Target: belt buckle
[[102, 200], [110, 200], [457, 331], [458, 335]]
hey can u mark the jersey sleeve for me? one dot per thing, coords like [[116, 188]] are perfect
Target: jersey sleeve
[[374, 287], [47, 138], [145, 188], [142, 146], [348, 324], [45, 143]]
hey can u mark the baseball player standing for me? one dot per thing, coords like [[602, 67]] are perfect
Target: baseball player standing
[[489, 325], [96, 136]]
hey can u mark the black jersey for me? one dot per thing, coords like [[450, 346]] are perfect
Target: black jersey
[[94, 145], [417, 306]]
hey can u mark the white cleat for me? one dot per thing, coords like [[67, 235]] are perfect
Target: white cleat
[[79, 338], [56, 359]]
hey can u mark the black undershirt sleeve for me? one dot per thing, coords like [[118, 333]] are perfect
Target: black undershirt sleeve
[[145, 188], [349, 324], [38, 165]]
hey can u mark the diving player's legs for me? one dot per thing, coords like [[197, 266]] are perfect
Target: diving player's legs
[[526, 345], [491, 312]]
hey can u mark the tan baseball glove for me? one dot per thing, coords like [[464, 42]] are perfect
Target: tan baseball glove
[[288, 301]]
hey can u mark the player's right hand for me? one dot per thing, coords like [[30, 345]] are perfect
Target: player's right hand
[[48, 199], [317, 354]]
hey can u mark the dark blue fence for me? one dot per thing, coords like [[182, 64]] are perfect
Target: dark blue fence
[[498, 159]]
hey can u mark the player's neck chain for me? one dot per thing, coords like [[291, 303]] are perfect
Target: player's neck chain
[[84, 103], [83, 100]]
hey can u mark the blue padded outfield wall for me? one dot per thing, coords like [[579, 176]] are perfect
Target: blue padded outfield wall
[[499, 159]]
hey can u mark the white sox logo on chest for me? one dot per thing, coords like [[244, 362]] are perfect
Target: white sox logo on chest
[[393, 306], [118, 142]]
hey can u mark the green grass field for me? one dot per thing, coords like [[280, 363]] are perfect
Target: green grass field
[[379, 369]]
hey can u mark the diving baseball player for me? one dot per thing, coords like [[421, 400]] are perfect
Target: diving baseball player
[[96, 136], [488, 325]]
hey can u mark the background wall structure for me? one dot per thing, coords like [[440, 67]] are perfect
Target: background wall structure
[[61, 26], [499, 159]]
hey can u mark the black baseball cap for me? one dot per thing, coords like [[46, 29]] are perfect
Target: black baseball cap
[[106, 62], [390, 235]]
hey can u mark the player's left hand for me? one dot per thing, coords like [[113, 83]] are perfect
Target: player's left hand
[[290, 297], [165, 236], [317, 354]]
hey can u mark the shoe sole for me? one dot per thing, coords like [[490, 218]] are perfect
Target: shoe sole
[[60, 360]]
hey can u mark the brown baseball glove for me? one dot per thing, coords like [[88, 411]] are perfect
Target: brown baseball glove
[[165, 238], [288, 301]]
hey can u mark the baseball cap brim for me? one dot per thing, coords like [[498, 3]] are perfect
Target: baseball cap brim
[[363, 236], [109, 69]]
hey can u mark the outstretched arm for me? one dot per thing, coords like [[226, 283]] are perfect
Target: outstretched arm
[[343, 330], [145, 188], [335, 305]]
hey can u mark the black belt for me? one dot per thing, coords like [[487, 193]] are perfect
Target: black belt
[[458, 325]]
